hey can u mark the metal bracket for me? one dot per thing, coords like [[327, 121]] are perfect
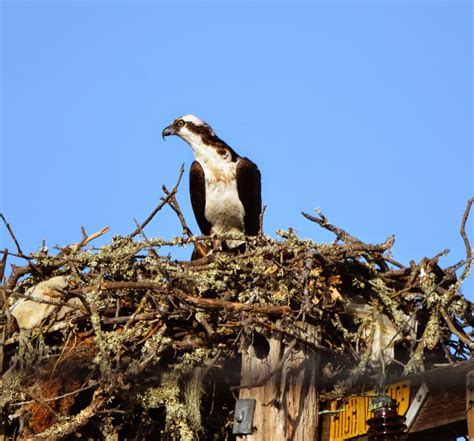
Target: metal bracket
[[243, 416], [416, 405]]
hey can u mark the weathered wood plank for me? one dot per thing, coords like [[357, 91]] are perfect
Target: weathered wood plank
[[446, 403], [285, 391], [442, 407], [470, 423], [470, 403]]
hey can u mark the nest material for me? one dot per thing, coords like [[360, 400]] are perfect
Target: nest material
[[150, 345]]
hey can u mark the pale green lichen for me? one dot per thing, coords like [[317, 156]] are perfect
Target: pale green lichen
[[149, 353], [390, 301], [11, 389], [431, 336], [169, 396], [183, 414]]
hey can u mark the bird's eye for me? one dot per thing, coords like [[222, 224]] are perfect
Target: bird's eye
[[180, 123]]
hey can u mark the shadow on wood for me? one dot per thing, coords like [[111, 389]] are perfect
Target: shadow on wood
[[282, 380]]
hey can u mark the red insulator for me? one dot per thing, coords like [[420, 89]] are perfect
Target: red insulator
[[386, 424]]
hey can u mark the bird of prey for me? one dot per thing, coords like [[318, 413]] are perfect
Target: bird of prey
[[225, 187]]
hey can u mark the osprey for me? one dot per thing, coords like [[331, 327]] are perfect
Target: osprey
[[225, 187]]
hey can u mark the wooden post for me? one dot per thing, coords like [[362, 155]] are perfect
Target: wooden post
[[284, 387], [470, 404]]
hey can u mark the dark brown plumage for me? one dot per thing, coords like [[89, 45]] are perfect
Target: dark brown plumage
[[249, 188], [197, 189]]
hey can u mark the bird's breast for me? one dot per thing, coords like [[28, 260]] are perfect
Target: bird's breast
[[223, 209]]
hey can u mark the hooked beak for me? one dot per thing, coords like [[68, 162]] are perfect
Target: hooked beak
[[167, 131]]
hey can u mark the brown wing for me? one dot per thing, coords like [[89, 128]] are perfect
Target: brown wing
[[197, 189], [249, 189]]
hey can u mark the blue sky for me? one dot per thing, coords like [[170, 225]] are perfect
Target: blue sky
[[363, 109]]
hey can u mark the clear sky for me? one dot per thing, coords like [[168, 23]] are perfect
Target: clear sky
[[363, 109]]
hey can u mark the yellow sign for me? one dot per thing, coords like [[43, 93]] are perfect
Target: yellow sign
[[354, 412]]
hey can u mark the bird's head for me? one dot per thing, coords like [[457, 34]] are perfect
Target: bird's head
[[188, 128], [200, 136]]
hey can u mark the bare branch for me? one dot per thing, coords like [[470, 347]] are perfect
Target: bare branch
[[86, 239], [324, 223], [160, 206], [12, 235], [467, 268], [463, 337]]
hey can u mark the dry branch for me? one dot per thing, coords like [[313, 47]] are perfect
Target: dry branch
[[160, 206], [12, 235]]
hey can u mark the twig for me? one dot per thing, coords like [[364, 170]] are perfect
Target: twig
[[20, 252], [394, 262], [90, 238], [16, 274], [144, 363], [173, 203], [464, 235], [41, 400], [467, 341], [4, 301], [456, 266], [113, 412], [3, 337], [146, 240], [59, 397], [349, 248], [63, 428], [234, 306], [3, 264], [201, 318], [454, 288], [339, 232], [260, 219], [160, 206], [349, 239], [15, 255]]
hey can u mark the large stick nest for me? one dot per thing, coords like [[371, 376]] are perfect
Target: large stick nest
[[125, 341]]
